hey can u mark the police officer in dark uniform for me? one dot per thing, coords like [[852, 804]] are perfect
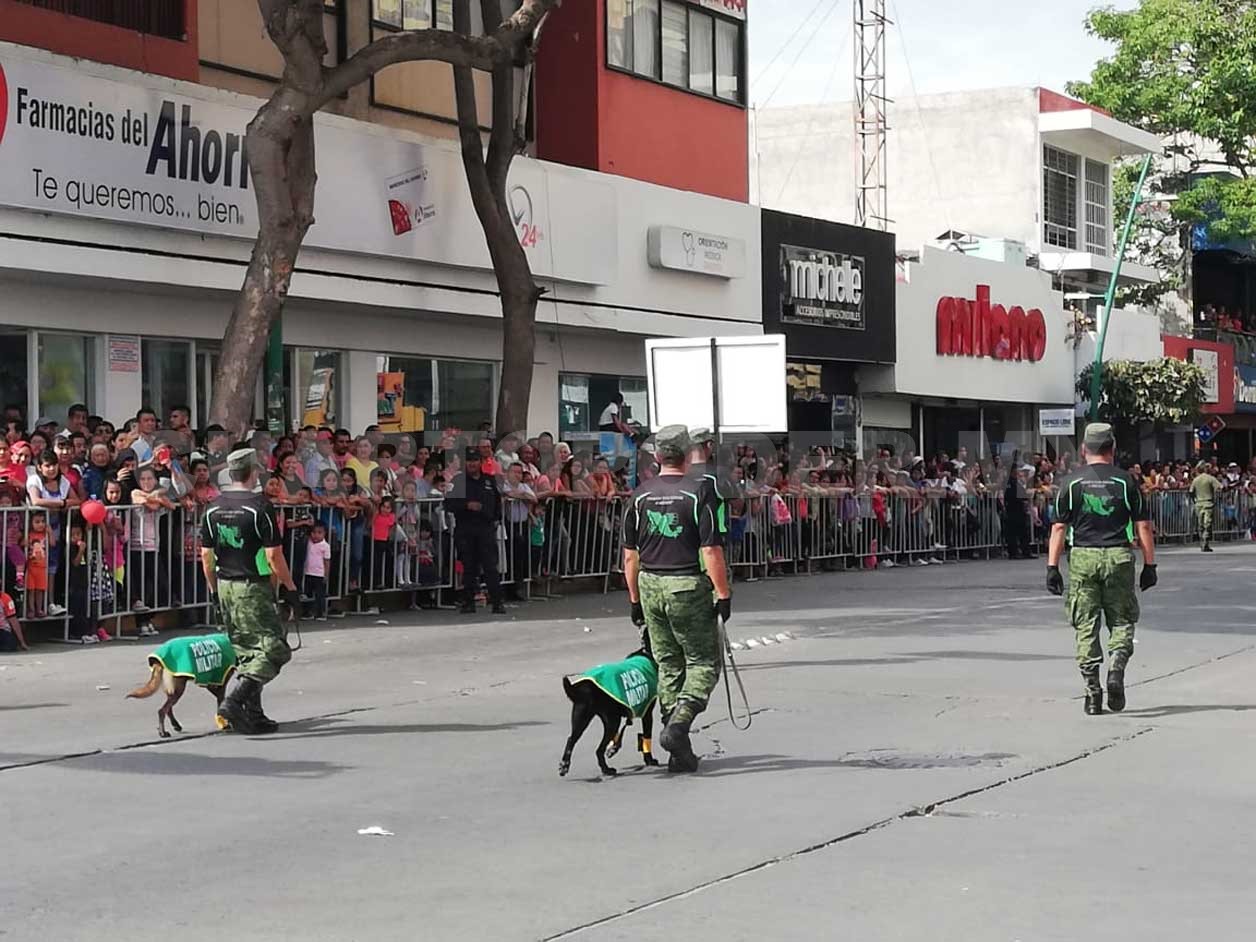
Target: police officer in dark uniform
[[241, 549], [477, 508], [1100, 514], [677, 584]]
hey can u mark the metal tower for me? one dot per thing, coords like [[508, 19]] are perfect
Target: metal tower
[[871, 103]]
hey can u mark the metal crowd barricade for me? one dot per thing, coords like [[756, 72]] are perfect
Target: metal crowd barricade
[[1173, 515], [581, 538], [415, 555]]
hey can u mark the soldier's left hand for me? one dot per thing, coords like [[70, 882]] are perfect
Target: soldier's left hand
[[292, 598], [724, 608], [1055, 581], [1149, 577], [638, 615]]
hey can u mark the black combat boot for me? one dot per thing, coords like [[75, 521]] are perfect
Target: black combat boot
[[1094, 693], [1116, 686], [499, 607], [675, 737], [235, 708], [261, 722]]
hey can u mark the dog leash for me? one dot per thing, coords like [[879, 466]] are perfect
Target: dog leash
[[728, 691]]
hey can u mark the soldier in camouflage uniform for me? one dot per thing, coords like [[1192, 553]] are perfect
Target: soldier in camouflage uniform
[[678, 584], [1100, 513], [1205, 488], [240, 551]]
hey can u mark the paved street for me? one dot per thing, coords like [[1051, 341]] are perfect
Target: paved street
[[919, 768]]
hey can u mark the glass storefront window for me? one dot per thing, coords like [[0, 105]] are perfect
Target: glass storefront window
[[14, 377], [316, 396], [165, 376], [420, 393], [582, 398], [65, 373]]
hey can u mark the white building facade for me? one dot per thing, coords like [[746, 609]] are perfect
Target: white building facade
[[126, 223], [1021, 164], [983, 351]]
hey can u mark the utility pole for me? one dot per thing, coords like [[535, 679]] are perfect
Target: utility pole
[[871, 103]]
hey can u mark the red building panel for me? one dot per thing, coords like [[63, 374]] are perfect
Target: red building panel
[[29, 25], [1180, 349], [592, 116]]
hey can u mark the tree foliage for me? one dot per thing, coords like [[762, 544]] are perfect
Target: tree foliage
[[1164, 392], [1184, 70]]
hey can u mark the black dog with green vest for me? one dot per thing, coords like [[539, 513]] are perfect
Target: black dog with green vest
[[618, 693]]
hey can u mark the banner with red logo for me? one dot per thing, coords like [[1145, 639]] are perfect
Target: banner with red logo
[[80, 144]]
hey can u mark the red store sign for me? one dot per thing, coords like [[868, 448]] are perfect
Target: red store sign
[[979, 329]]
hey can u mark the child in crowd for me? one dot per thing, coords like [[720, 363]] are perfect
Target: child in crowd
[[382, 537], [14, 562], [39, 543], [425, 552], [81, 621], [144, 573], [11, 636], [317, 561], [300, 522]]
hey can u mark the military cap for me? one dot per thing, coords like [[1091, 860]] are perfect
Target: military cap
[[701, 435], [1098, 436], [672, 441], [241, 458]]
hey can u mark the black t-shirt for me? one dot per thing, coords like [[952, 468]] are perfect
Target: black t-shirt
[[669, 521], [1100, 505], [238, 527], [716, 487]]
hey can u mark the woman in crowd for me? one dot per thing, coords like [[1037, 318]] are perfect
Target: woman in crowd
[[357, 507], [292, 475], [99, 469], [360, 461]]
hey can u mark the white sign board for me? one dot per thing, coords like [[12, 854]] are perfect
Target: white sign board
[[703, 253], [82, 145], [751, 377], [1056, 422], [1209, 361]]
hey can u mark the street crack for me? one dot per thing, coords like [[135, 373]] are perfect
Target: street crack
[[917, 812]]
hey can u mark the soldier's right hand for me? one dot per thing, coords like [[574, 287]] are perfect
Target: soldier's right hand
[[724, 608], [1055, 581], [1148, 578], [638, 615]]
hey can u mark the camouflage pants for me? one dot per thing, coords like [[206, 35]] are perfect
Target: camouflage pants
[[1101, 586], [680, 616], [252, 623], [1205, 517]]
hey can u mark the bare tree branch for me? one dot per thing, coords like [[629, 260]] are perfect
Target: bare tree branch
[[434, 45]]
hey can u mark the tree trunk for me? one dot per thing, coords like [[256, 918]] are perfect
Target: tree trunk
[[280, 147]]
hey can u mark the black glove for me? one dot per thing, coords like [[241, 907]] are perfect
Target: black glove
[[1149, 577], [638, 614], [214, 603], [724, 608], [1055, 581], [292, 598]]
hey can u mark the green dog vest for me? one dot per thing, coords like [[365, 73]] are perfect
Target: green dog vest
[[632, 683], [207, 659]]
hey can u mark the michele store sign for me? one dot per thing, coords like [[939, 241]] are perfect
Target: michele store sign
[[829, 288]]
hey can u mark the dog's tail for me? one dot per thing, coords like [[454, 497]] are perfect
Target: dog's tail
[[570, 689], [150, 688]]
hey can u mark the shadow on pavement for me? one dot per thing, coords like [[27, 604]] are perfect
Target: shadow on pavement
[[31, 706], [168, 762], [1153, 712], [335, 726], [987, 656], [834, 662], [744, 765]]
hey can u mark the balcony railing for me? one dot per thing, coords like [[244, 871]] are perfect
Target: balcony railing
[[155, 17]]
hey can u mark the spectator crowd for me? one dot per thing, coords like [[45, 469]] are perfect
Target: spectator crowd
[[363, 514]]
